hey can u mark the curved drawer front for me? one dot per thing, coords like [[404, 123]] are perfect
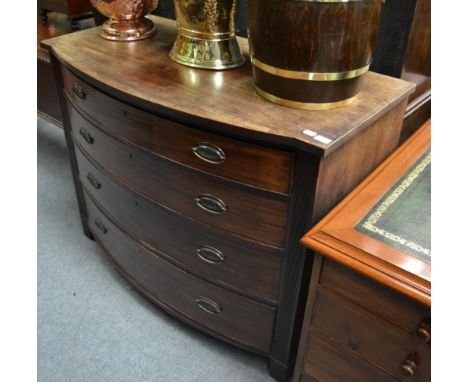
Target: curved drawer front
[[233, 208], [234, 159], [245, 267], [225, 313]]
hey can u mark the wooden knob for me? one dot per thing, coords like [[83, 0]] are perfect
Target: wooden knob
[[424, 334], [409, 367], [423, 331]]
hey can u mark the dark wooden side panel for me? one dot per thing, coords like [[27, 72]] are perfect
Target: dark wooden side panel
[[314, 281], [295, 271], [249, 213], [346, 167], [394, 30], [248, 268], [417, 69], [47, 98], [383, 301], [56, 67], [417, 65], [239, 319]]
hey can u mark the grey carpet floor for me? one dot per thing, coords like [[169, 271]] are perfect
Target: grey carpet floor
[[92, 325]]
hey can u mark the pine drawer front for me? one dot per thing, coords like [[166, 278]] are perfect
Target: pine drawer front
[[237, 209], [225, 313], [327, 362], [248, 268], [373, 296], [381, 343], [244, 162]]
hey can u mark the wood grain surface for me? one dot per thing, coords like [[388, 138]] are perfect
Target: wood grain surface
[[249, 268], [255, 165], [144, 72], [238, 317], [258, 216]]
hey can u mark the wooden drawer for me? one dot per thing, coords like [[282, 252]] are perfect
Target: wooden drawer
[[369, 336], [249, 213], [216, 309], [248, 268], [244, 162], [329, 363], [373, 296]]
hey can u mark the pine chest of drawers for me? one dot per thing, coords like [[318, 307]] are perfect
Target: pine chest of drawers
[[200, 190]]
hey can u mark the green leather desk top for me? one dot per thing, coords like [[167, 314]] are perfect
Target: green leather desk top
[[402, 217]]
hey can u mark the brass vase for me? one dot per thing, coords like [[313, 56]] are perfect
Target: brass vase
[[127, 21], [206, 34]]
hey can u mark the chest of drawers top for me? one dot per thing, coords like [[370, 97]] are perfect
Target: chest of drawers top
[[142, 74]]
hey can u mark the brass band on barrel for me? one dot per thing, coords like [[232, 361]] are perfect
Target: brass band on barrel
[[310, 76], [304, 105]]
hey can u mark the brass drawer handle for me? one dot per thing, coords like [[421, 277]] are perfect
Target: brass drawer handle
[[211, 204], [210, 255], [78, 92], [209, 153], [86, 135], [100, 226], [208, 305], [94, 182]]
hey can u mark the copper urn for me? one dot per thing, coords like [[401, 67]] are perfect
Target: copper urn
[[127, 21]]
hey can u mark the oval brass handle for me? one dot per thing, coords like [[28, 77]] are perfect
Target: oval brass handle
[[208, 305], [94, 182], [211, 204], [78, 92], [100, 226], [209, 153], [210, 255], [86, 135], [409, 367]]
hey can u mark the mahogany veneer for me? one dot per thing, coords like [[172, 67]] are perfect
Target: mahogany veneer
[[138, 126]]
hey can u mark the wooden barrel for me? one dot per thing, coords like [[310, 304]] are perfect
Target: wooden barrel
[[311, 54]]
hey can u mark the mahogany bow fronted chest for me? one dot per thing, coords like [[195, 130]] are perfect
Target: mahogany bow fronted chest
[[200, 190]]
